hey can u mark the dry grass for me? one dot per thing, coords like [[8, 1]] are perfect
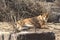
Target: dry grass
[[13, 10]]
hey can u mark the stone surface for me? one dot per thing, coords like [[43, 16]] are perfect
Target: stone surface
[[29, 36]]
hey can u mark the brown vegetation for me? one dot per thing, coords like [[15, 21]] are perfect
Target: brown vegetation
[[13, 10]]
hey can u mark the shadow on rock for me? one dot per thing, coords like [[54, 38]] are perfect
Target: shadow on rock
[[37, 36]]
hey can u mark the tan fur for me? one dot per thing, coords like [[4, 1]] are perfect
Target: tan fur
[[38, 21]]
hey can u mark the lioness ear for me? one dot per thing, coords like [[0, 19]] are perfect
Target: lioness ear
[[47, 14]]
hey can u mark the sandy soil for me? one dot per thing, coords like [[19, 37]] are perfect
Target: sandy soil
[[53, 27]]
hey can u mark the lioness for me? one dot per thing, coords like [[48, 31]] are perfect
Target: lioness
[[38, 22]]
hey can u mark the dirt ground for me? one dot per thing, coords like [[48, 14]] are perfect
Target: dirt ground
[[53, 27]]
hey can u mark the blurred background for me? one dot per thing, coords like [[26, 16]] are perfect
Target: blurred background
[[14, 10]]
